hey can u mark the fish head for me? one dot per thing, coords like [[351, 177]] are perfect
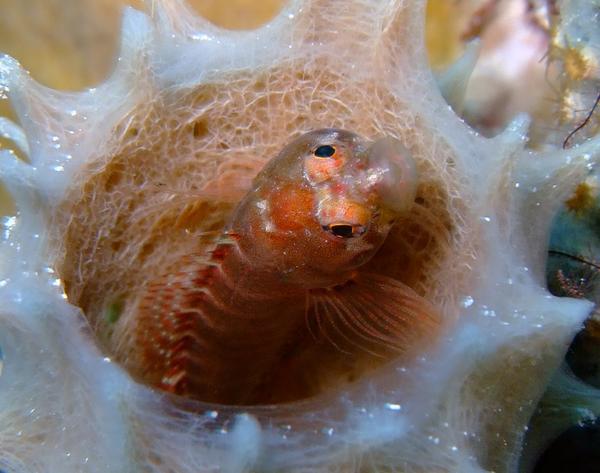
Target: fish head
[[325, 204]]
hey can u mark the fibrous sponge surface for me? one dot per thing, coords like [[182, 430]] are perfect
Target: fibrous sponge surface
[[136, 211], [108, 202]]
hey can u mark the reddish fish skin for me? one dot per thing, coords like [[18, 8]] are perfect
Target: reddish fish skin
[[214, 329]]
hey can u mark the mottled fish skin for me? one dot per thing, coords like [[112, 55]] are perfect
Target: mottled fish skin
[[290, 256]]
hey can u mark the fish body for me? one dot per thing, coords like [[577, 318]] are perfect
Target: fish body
[[289, 259]]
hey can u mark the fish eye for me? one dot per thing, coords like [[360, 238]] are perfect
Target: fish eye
[[344, 230], [324, 151]]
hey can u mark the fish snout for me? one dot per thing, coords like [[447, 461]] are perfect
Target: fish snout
[[392, 174]]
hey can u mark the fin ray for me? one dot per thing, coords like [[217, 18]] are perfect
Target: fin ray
[[374, 313], [345, 315]]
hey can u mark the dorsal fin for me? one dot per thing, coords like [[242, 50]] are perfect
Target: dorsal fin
[[169, 318]]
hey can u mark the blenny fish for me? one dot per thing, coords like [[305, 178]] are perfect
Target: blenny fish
[[290, 261]]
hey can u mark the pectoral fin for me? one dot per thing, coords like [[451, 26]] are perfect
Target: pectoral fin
[[374, 314]]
